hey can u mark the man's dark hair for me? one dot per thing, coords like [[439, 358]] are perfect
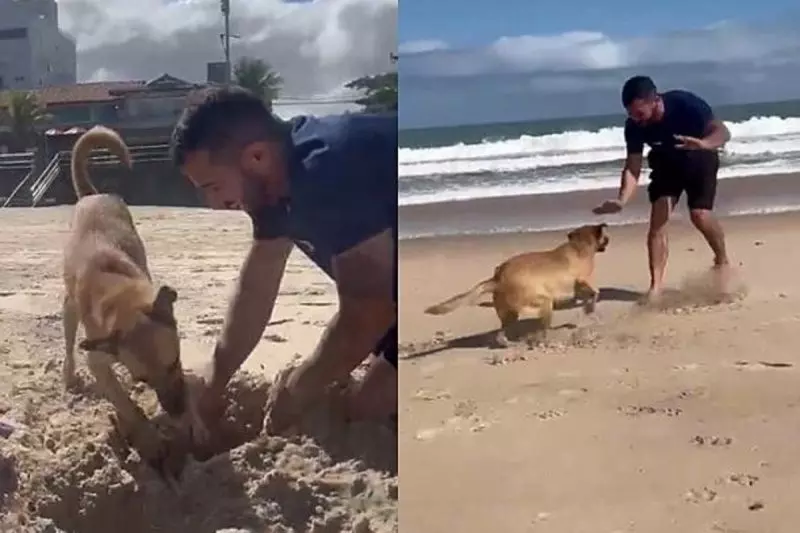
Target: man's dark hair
[[223, 119], [638, 88]]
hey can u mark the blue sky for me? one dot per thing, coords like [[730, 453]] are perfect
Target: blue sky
[[523, 59]]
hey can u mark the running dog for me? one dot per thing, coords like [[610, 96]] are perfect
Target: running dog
[[531, 283]]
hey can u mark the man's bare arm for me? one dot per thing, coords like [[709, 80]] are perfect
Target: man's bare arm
[[717, 134], [251, 306], [364, 278], [629, 180]]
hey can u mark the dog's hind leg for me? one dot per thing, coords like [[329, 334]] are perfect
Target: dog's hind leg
[[543, 308], [508, 317], [69, 318]]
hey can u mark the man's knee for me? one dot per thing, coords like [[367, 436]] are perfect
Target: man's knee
[[701, 218]]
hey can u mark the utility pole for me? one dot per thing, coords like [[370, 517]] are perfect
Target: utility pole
[[226, 38]]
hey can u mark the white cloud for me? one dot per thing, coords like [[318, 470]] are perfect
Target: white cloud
[[424, 45], [725, 41], [581, 72], [317, 46]]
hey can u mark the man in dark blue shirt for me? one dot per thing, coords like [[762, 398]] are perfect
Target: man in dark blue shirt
[[329, 186], [684, 137]]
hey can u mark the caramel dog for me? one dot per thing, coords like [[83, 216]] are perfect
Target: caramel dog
[[531, 283], [126, 318]]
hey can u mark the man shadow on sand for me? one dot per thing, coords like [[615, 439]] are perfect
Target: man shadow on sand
[[524, 326]]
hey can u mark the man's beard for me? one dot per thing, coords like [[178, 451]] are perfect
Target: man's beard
[[255, 193]]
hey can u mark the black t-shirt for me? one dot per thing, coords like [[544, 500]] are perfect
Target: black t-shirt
[[685, 113], [343, 185]]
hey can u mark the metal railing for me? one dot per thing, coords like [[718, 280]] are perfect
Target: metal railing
[[16, 161], [45, 179], [146, 153], [19, 187]]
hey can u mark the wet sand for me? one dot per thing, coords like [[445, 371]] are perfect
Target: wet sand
[[754, 194]]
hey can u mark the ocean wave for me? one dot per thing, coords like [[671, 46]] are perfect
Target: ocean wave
[[758, 138], [518, 184]]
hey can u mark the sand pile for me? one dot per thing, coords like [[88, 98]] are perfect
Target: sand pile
[[64, 468]]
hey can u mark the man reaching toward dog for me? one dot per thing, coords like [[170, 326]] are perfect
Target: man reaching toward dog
[[329, 186], [684, 137]]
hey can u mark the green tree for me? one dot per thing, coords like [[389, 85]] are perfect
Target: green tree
[[380, 92], [21, 112], [259, 77]]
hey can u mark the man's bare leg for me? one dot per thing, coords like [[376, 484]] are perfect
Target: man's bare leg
[[705, 222], [658, 245]]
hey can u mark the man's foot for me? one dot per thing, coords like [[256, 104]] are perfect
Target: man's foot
[[722, 278], [652, 296]]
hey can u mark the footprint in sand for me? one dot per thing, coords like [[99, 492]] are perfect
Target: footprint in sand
[[713, 440], [431, 396], [550, 414], [456, 424], [743, 480], [502, 360], [688, 367], [638, 410], [703, 495]]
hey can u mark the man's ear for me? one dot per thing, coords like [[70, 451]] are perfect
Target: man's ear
[[108, 345]]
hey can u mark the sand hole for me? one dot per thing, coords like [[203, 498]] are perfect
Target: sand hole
[[241, 480]]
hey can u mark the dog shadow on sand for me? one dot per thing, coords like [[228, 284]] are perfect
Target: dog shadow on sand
[[523, 328]]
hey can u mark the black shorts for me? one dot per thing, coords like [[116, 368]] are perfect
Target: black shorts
[[692, 171], [387, 347]]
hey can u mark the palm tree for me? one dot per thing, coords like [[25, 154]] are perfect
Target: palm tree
[[379, 92], [259, 77], [22, 114]]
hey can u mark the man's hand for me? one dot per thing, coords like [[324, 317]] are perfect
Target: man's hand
[[691, 143], [609, 207], [209, 399], [364, 277]]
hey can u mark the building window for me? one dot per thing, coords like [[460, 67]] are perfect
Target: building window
[[12, 34]]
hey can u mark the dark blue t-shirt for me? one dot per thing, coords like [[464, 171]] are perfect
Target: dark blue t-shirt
[[685, 113], [342, 183]]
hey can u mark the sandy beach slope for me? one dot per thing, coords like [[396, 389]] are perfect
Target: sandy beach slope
[[60, 468], [681, 420]]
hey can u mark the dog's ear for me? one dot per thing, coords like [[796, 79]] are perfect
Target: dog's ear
[[108, 344], [572, 235], [600, 229], [162, 310]]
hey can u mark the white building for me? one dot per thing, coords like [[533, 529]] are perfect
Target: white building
[[34, 53]]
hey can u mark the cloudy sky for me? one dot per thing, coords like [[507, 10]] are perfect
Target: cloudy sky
[[317, 46], [553, 58]]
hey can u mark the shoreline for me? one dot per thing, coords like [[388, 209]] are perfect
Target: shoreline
[[753, 196]]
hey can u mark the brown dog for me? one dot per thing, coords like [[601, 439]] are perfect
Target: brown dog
[[125, 317], [531, 283]]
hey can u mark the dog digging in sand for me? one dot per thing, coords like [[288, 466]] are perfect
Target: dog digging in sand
[[126, 318], [531, 283]]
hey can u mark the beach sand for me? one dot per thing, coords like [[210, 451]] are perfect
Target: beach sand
[[684, 419], [60, 467]]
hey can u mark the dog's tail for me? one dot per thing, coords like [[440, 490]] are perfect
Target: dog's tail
[[97, 137], [465, 298]]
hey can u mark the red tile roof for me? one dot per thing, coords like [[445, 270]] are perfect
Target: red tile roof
[[82, 92]]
